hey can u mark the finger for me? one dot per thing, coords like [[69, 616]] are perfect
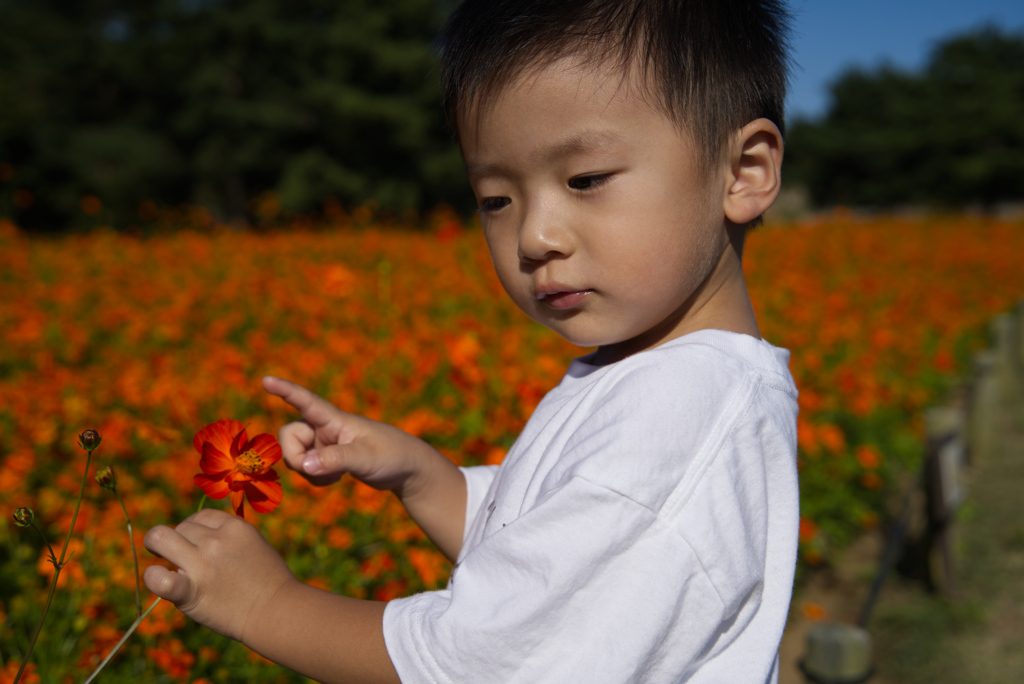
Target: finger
[[332, 461], [296, 439], [170, 545], [206, 519], [313, 408], [175, 587], [318, 470]]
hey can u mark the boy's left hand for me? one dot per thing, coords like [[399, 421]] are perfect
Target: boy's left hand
[[226, 570]]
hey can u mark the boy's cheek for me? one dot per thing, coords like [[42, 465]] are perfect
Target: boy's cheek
[[511, 279]]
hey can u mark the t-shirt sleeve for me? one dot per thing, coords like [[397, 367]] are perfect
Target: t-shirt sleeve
[[478, 481], [556, 596]]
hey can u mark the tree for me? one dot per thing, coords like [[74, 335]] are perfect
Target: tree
[[218, 101], [952, 135]]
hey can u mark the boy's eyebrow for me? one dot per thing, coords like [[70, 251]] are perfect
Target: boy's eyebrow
[[577, 144], [584, 141]]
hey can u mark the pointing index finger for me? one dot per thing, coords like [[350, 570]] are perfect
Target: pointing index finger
[[313, 408]]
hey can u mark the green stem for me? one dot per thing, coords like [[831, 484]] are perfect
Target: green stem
[[135, 555], [131, 630], [46, 609], [57, 566], [202, 502], [78, 504]]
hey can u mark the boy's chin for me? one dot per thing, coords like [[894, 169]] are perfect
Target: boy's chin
[[580, 330], [583, 340]]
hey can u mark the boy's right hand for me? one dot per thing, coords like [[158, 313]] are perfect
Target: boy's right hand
[[328, 443]]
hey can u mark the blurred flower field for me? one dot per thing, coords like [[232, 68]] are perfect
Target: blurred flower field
[[148, 339]]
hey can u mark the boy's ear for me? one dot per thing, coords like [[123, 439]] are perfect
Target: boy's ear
[[754, 174]]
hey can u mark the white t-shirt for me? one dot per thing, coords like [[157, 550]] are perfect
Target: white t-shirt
[[643, 528]]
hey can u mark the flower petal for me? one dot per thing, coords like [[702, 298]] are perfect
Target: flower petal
[[238, 443], [267, 447], [264, 495], [213, 487], [238, 502], [220, 434], [215, 461]]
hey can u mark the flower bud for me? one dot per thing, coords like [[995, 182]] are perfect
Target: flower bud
[[89, 440], [106, 478], [23, 517]]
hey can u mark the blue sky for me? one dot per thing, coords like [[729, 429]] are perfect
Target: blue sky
[[832, 35]]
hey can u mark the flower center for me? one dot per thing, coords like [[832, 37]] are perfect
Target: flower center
[[250, 462]]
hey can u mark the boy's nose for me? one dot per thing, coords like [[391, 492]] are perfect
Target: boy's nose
[[542, 237]]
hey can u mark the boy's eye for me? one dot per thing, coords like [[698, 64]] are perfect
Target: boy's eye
[[588, 182], [494, 204]]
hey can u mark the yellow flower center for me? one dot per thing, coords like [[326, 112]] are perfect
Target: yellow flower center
[[250, 462]]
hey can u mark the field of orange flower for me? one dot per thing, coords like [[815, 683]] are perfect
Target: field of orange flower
[[148, 339]]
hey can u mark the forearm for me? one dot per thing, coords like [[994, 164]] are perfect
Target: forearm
[[321, 635], [435, 497]]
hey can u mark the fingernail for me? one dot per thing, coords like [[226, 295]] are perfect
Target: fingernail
[[311, 464]]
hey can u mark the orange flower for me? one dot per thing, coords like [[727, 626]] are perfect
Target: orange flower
[[808, 530], [29, 676], [868, 457], [233, 464], [814, 611], [173, 658]]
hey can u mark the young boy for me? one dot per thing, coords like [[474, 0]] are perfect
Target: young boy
[[643, 527]]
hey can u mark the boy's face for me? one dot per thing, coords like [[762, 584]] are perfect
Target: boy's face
[[600, 225]]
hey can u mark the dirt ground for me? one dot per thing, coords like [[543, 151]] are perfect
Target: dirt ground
[[975, 636]]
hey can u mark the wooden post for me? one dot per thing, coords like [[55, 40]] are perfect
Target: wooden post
[[944, 488], [837, 654], [1020, 339], [944, 433], [983, 402], [1003, 331]]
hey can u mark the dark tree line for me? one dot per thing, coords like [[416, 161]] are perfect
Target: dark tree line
[[952, 135], [217, 101]]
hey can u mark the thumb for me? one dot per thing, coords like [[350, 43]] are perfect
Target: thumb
[[323, 466], [169, 585], [317, 461], [333, 461]]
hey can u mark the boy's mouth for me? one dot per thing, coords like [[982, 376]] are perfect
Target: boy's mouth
[[562, 298]]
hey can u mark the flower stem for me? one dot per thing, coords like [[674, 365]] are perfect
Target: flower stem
[[131, 630], [135, 555], [78, 504], [57, 566], [46, 608], [202, 502]]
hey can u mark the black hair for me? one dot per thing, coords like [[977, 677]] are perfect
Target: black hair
[[716, 65]]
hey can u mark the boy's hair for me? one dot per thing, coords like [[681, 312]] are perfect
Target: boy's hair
[[716, 65]]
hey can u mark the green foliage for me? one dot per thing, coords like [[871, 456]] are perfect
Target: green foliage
[[952, 135], [216, 102]]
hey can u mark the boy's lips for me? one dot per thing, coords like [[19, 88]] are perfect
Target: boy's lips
[[560, 297]]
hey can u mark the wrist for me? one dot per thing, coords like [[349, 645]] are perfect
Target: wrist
[[260, 624], [424, 460]]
